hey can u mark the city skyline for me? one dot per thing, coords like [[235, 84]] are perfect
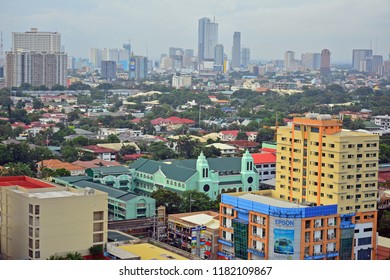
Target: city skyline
[[284, 25]]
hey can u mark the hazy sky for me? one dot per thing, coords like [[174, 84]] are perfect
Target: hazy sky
[[268, 27]]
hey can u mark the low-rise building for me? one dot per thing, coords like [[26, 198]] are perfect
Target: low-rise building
[[257, 227], [266, 165], [55, 164], [211, 176], [122, 203], [39, 219], [226, 150], [101, 152], [383, 121], [195, 232]]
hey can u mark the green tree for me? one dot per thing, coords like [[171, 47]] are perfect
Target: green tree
[[167, 198], [265, 134], [112, 138], [87, 156], [252, 126], [384, 223], [38, 104], [74, 256], [160, 151], [127, 150], [6, 131], [193, 201], [5, 155], [96, 250], [58, 87], [187, 147], [70, 153], [17, 169], [211, 152], [241, 135], [60, 172]]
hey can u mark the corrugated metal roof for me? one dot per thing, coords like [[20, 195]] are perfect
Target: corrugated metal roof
[[182, 170], [171, 171], [112, 192], [108, 170]]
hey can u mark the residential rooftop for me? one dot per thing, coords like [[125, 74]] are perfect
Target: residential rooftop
[[23, 181]]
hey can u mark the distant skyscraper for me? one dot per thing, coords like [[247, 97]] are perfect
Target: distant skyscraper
[[176, 54], [1, 56], [108, 69], [35, 68], [386, 68], [138, 67], [358, 56], [207, 39], [236, 50], [36, 41], [311, 61], [218, 55], [188, 58], [377, 65], [325, 62], [289, 61], [245, 56], [36, 58], [71, 63], [95, 57], [128, 48]]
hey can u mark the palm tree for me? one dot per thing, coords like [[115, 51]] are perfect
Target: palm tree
[[74, 256]]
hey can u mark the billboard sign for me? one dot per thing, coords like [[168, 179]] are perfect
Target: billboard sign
[[284, 238], [132, 64]]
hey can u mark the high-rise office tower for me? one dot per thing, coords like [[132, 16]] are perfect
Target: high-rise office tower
[[245, 56], [138, 67], [95, 57], [207, 39], [325, 62], [236, 50], [128, 48], [321, 164], [377, 65], [115, 54], [188, 58], [177, 56], [359, 56], [35, 40], [311, 61], [71, 63], [108, 69], [290, 63], [218, 54]]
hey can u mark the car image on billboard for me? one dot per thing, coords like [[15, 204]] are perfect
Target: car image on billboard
[[284, 246]]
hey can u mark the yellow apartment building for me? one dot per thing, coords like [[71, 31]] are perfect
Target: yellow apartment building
[[38, 219], [319, 163]]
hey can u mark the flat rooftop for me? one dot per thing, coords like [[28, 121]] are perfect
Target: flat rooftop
[[151, 252], [270, 201], [23, 181], [48, 194], [203, 219]]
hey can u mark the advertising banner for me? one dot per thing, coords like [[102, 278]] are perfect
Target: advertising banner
[[284, 238]]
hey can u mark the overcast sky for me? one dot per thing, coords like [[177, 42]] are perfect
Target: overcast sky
[[268, 27]]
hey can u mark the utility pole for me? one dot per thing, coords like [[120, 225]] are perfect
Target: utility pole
[[200, 109]]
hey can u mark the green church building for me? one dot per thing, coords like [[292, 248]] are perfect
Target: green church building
[[212, 176]]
